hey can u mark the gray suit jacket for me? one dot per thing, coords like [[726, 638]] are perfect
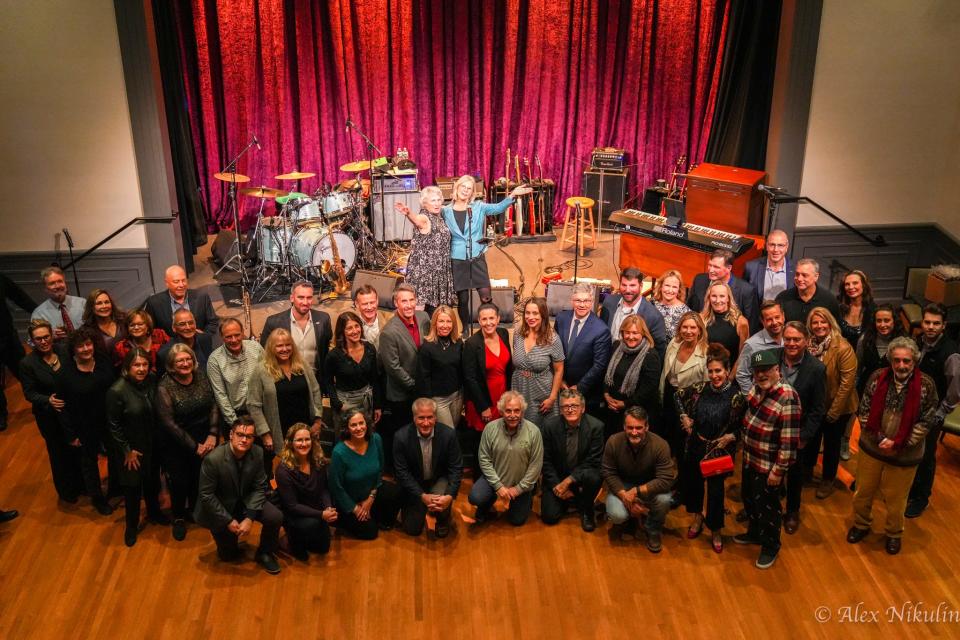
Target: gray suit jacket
[[224, 485], [263, 407], [398, 357]]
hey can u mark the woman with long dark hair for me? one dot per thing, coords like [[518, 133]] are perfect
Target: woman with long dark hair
[[351, 373], [487, 371], [632, 376], [856, 305], [39, 371], [537, 362], [131, 415], [108, 320], [190, 418], [711, 413], [439, 366], [304, 495]]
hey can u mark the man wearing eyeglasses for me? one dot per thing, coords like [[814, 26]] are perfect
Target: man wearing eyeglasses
[[185, 332], [586, 345], [572, 447], [771, 275], [232, 495]]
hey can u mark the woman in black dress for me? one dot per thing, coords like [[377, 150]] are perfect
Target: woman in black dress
[[106, 318], [85, 376], [39, 371], [633, 375], [282, 392], [439, 366], [190, 421], [351, 372], [872, 346], [130, 412], [304, 496], [725, 323], [710, 415], [856, 305], [428, 266]]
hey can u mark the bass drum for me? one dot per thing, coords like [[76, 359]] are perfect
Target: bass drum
[[311, 248]]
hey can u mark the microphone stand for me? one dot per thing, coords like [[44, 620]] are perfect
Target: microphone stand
[[368, 151], [782, 197], [470, 262], [73, 263], [232, 170]]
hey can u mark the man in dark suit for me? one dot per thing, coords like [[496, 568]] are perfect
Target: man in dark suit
[[629, 301], [773, 274], [720, 267], [309, 327], [586, 345], [161, 306], [807, 375], [429, 468], [232, 494], [399, 342], [805, 294], [185, 332], [572, 448]]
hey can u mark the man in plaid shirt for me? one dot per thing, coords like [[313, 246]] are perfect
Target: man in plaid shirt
[[771, 433]]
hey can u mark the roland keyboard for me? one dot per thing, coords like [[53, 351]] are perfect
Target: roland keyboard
[[688, 234]]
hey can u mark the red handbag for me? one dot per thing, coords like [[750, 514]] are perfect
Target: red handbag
[[716, 462]]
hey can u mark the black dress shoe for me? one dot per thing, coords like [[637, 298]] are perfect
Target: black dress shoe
[[856, 534], [442, 530], [915, 509], [7, 516], [158, 518], [70, 499], [893, 545], [3, 420], [103, 507], [791, 522], [179, 529], [587, 522], [269, 563], [130, 537]]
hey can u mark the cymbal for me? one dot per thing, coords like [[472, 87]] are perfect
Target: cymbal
[[356, 166], [295, 175], [262, 192], [231, 177]]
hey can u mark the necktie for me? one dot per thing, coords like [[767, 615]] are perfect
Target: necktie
[[573, 335], [67, 322]]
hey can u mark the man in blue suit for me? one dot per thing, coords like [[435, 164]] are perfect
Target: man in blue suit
[[773, 274], [629, 301], [586, 345]]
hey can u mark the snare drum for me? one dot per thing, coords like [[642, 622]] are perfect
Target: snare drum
[[337, 204], [311, 248], [275, 232]]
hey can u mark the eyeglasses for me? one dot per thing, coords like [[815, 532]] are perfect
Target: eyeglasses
[[568, 408], [42, 338], [243, 436]]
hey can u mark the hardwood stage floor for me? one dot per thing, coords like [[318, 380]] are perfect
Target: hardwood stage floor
[[64, 572]]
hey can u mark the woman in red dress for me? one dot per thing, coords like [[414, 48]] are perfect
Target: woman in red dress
[[487, 368], [142, 334]]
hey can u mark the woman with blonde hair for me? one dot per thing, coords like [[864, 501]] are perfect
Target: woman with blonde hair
[[669, 292], [632, 375], [537, 362], [428, 266], [828, 345], [684, 364], [725, 324], [282, 392], [304, 493], [467, 221], [439, 366]]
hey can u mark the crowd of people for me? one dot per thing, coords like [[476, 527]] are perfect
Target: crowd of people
[[645, 401]]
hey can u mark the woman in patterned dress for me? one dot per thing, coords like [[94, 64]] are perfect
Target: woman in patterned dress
[[668, 296], [537, 362], [428, 267]]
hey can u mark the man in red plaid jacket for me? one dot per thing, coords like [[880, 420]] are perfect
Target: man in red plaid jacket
[[771, 432]]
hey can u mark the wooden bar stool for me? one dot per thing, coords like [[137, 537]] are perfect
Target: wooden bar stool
[[587, 229]]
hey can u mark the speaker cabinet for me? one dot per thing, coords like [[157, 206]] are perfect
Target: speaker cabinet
[[559, 293], [382, 282], [503, 297], [388, 225], [608, 189]]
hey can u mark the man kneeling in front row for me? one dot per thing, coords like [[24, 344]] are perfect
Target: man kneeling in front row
[[232, 494], [639, 473]]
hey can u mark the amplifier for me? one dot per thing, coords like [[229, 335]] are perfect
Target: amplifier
[[396, 184], [608, 158], [608, 189]]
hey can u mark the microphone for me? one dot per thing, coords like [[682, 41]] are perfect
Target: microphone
[[66, 234], [257, 142], [770, 191]]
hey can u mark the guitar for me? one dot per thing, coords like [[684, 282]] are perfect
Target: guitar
[[540, 195], [672, 190], [335, 270], [533, 213], [508, 215], [519, 207]]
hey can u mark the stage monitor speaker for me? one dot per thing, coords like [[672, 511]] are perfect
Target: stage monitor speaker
[[388, 225], [503, 297], [222, 248], [559, 293], [614, 191], [384, 284]]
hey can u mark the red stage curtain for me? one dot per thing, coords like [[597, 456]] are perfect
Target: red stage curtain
[[456, 82]]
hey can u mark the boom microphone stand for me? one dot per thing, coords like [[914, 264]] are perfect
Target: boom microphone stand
[[232, 169]]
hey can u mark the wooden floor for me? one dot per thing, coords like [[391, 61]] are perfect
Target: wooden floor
[[65, 571]]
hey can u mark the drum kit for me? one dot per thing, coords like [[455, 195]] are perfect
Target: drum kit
[[322, 236]]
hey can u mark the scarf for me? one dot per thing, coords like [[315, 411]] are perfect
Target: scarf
[[817, 350], [633, 372], [911, 406]]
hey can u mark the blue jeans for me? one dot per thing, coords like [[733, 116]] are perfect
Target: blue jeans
[[482, 496], [658, 504]]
